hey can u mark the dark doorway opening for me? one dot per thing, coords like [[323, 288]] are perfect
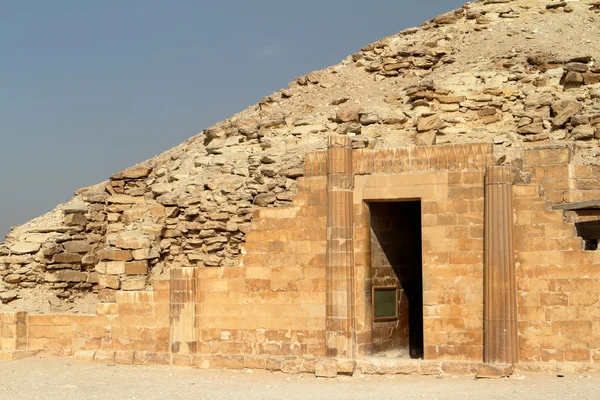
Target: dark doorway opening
[[396, 262]]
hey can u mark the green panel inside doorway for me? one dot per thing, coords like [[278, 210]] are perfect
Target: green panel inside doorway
[[385, 304]]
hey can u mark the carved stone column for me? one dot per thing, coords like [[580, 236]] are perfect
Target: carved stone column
[[501, 341], [182, 311], [340, 248]]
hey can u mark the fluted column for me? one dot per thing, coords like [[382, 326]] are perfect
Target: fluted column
[[340, 248], [501, 341]]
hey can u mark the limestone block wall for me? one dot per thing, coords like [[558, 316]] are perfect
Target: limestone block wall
[[13, 332], [270, 310], [449, 182], [274, 303], [452, 234], [266, 310], [134, 329], [136, 322], [558, 281]]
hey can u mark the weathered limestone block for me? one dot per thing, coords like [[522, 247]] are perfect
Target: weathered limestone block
[[137, 172], [565, 109], [369, 116], [145, 254], [89, 259], [13, 278], [347, 114], [161, 188], [490, 119], [212, 260], [67, 258], [8, 296], [532, 129], [110, 267], [71, 276], [123, 199], [133, 283], [247, 126], [428, 138], [151, 229], [93, 277], [448, 18], [94, 197], [108, 281], [22, 259], [307, 130], [132, 240], [50, 277], [50, 248], [582, 132], [450, 99], [536, 138], [490, 371], [51, 267], [75, 220], [77, 246], [432, 122], [112, 254], [44, 237], [262, 200], [24, 248], [76, 208], [136, 268], [590, 78], [140, 211], [269, 123], [573, 78], [326, 368], [107, 296]]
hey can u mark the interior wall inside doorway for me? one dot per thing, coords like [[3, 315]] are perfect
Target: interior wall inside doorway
[[396, 260]]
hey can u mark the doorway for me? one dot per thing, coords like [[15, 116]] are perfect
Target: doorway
[[396, 279]]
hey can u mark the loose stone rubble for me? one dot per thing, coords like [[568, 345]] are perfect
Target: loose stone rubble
[[501, 71]]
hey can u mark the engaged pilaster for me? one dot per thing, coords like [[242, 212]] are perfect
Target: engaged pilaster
[[501, 342], [340, 248], [182, 311]]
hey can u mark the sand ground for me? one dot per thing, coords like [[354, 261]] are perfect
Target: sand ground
[[51, 378]]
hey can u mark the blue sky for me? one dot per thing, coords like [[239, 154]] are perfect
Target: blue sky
[[88, 88]]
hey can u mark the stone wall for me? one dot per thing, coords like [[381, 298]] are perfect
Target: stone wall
[[124, 235], [270, 311], [558, 281], [13, 333], [274, 303], [452, 229]]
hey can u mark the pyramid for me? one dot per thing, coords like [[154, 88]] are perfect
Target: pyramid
[[511, 73]]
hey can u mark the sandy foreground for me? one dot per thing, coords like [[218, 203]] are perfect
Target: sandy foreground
[[62, 378]]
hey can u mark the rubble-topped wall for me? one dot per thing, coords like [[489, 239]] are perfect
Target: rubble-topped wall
[[270, 311], [500, 72]]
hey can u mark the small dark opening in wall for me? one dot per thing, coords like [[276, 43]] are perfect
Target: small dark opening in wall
[[589, 231]]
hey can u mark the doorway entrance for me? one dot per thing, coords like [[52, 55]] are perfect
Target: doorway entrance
[[396, 279]]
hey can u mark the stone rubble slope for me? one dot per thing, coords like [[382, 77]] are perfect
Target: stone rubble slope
[[511, 72]]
